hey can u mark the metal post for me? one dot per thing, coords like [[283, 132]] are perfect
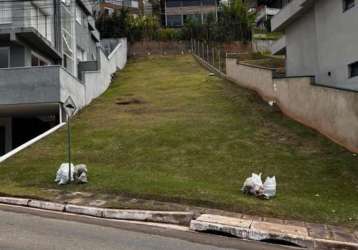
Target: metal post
[[207, 53], [219, 60], [213, 56], [69, 147], [203, 50]]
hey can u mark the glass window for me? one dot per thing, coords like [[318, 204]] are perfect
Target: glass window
[[173, 3], [348, 4], [37, 61], [4, 57], [5, 12], [353, 69], [174, 21], [209, 2], [39, 21], [78, 15], [192, 3]]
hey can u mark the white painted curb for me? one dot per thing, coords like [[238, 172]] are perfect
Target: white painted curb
[[91, 211], [14, 201], [181, 218], [46, 205], [178, 218]]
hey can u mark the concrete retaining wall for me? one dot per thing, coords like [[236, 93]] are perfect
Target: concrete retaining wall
[[332, 112], [256, 78], [262, 45], [96, 82]]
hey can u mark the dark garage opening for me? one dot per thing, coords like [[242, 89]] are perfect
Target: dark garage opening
[[27, 128], [2, 140]]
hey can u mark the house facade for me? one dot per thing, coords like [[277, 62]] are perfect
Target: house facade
[[177, 12], [320, 40], [49, 51], [265, 10], [108, 7]]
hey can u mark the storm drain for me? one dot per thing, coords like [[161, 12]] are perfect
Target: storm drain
[[281, 243]]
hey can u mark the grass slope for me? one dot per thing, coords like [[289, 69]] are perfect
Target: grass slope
[[193, 139]]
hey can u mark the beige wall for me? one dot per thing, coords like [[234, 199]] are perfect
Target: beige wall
[[185, 10], [332, 112], [258, 79]]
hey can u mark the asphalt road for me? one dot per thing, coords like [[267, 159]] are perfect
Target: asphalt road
[[27, 231]]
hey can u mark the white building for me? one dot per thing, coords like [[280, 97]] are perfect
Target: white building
[[320, 40]]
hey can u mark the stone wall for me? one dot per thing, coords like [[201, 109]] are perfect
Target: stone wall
[[332, 112]]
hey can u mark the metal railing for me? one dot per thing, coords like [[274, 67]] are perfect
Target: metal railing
[[210, 53]]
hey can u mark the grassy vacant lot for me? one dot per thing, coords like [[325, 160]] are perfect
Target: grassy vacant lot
[[193, 138]]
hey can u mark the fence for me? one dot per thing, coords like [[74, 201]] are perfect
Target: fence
[[146, 48], [210, 53]]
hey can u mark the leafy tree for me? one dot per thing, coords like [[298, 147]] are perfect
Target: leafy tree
[[233, 23]]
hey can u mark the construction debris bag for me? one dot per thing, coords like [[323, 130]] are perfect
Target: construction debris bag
[[62, 174], [269, 187], [81, 173], [254, 186]]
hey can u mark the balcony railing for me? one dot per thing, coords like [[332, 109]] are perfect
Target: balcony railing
[[44, 84]]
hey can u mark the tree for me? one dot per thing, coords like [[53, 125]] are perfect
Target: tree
[[236, 22]]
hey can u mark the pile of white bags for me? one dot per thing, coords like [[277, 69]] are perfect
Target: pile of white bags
[[78, 174], [254, 186]]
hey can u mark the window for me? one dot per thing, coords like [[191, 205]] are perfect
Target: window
[[209, 2], [37, 61], [174, 20], [78, 15], [66, 2], [67, 40], [173, 3], [353, 69], [191, 3], [348, 4], [5, 12], [81, 55], [4, 57], [40, 21]]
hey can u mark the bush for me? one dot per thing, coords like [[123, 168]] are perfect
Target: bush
[[168, 34], [233, 23]]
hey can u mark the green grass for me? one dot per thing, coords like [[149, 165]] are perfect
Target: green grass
[[193, 140]]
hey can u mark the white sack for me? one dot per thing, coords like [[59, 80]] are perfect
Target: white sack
[[62, 174]]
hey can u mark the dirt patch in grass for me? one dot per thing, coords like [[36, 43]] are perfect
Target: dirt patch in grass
[[129, 101]]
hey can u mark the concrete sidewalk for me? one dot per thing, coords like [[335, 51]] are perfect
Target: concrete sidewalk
[[309, 235]]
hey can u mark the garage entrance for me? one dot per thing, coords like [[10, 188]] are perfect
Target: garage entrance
[[2, 140]]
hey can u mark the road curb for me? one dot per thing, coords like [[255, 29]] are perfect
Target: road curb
[[180, 218], [168, 217], [251, 229], [14, 201], [242, 228]]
